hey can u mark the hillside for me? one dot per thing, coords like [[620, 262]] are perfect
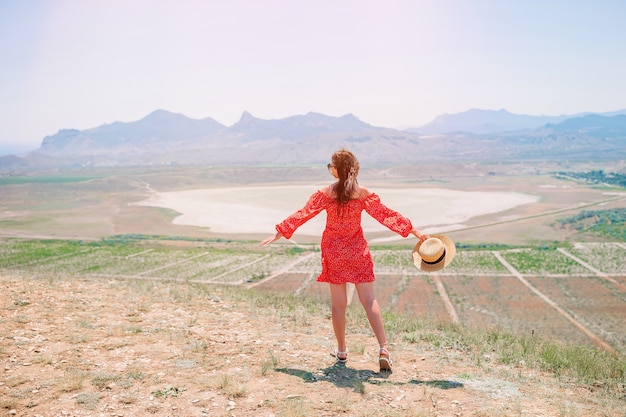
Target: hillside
[[115, 347]]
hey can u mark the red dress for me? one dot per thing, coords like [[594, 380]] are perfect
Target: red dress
[[345, 252]]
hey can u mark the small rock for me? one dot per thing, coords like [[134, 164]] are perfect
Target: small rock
[[12, 412]]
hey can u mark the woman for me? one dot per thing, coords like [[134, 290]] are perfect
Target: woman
[[345, 252]]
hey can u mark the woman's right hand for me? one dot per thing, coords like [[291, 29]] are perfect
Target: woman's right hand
[[421, 236], [271, 239]]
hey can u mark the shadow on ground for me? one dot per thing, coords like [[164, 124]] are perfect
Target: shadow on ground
[[346, 377]]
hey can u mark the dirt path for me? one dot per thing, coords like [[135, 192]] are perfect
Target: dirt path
[[454, 317], [144, 348]]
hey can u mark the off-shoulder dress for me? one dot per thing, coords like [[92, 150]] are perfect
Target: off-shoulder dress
[[345, 253]]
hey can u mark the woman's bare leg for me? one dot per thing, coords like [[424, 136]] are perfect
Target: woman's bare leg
[[339, 301], [369, 303]]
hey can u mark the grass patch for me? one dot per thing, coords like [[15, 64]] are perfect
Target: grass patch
[[101, 381], [232, 387], [269, 364], [606, 223], [48, 179], [73, 381], [582, 364], [88, 399], [168, 392]]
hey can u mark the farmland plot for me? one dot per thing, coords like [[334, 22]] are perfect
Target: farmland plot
[[502, 301], [104, 260], [592, 301], [146, 263], [261, 266], [84, 260], [290, 283], [387, 286], [392, 261], [316, 289], [22, 253], [421, 299], [621, 279], [312, 264], [476, 262], [116, 260], [606, 257], [202, 266], [302, 280], [543, 262]]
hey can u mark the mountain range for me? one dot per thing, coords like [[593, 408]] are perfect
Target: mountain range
[[166, 138]]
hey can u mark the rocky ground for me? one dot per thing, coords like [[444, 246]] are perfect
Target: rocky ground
[[143, 348]]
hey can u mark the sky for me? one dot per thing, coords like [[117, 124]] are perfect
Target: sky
[[396, 63]]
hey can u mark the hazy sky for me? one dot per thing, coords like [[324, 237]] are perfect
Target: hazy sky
[[82, 63]]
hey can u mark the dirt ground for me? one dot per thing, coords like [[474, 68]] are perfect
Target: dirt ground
[[145, 348]]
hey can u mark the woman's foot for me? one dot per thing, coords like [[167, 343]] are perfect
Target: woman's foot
[[342, 356], [384, 359]]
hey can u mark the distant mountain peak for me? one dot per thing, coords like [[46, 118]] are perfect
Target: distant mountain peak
[[164, 115], [351, 117], [159, 112], [247, 121], [246, 115]]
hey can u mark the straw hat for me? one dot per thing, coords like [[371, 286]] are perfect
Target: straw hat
[[434, 253]]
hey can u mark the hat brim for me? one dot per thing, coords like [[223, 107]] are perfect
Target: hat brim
[[445, 261]]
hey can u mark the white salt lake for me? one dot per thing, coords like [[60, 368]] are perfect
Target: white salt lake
[[255, 210]]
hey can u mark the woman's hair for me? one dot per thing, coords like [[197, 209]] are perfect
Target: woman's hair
[[347, 169]]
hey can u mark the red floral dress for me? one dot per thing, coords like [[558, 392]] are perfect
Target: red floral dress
[[345, 252]]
